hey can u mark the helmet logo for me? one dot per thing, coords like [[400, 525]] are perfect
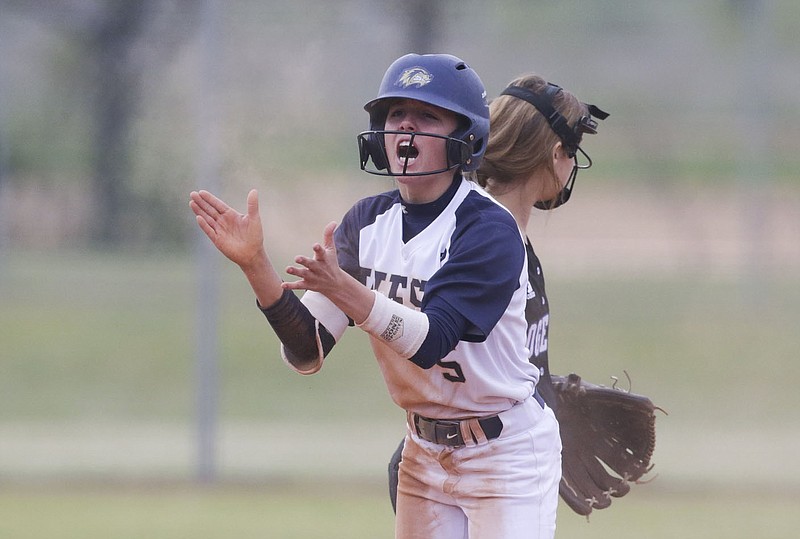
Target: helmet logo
[[414, 76]]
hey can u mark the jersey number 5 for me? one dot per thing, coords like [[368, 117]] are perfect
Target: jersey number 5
[[457, 375]]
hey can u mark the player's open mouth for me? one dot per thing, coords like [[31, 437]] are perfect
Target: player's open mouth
[[406, 152]]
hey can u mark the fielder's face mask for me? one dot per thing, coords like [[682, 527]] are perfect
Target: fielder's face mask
[[570, 135]]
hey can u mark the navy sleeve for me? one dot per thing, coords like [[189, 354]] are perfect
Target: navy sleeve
[[468, 295], [480, 276], [445, 327], [346, 239]]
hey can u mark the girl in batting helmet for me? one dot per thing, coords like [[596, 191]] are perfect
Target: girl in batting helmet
[[435, 273], [440, 80]]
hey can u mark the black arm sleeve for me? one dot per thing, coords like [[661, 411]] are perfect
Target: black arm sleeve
[[297, 330]]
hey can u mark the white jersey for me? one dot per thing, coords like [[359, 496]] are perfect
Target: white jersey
[[462, 252]]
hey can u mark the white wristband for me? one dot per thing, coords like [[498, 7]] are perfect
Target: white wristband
[[401, 328]]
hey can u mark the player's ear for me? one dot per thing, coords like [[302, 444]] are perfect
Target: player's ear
[[561, 152], [558, 152]]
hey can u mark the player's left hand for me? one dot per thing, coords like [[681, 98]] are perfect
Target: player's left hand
[[321, 272]]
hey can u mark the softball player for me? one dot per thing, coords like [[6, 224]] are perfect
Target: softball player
[[545, 124], [435, 272]]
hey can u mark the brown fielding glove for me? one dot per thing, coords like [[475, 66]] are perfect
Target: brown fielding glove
[[603, 430]]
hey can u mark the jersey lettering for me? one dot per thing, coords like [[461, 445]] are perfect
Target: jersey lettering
[[458, 372], [397, 281], [537, 336], [375, 279], [416, 292], [396, 287]]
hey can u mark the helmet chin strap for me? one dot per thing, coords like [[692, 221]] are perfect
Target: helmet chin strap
[[562, 197]]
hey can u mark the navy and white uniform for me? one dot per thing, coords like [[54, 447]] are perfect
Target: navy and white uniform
[[456, 255], [466, 252]]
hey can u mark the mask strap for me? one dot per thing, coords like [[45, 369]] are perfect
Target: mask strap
[[570, 136], [544, 104], [562, 197]]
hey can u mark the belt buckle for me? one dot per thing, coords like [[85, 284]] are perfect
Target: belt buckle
[[444, 432], [448, 433]]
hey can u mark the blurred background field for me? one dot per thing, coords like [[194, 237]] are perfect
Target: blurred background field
[[677, 261], [98, 432]]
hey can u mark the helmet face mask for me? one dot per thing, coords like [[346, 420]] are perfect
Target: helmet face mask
[[437, 79], [372, 142]]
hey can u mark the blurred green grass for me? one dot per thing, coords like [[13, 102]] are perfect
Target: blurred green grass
[[355, 513]]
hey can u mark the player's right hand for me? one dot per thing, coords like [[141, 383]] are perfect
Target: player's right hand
[[240, 237]]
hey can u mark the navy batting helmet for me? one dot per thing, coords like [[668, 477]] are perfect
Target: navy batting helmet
[[442, 80]]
